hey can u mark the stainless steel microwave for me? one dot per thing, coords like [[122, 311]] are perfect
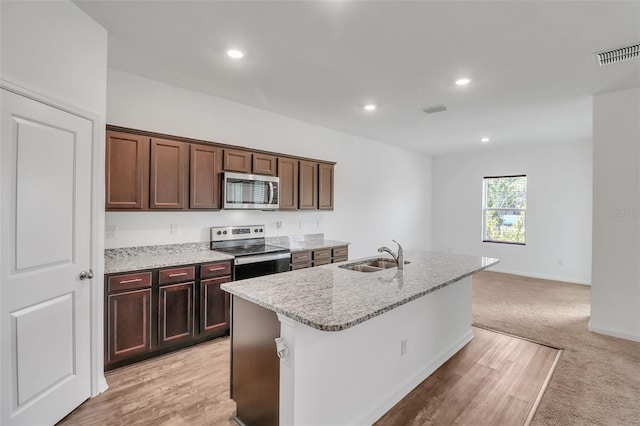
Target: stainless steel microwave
[[246, 191]]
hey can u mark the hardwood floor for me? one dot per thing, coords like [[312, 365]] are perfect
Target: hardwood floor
[[495, 379], [188, 387]]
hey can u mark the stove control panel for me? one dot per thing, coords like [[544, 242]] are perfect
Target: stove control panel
[[229, 233]]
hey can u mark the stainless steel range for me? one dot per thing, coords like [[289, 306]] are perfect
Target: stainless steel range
[[252, 257]]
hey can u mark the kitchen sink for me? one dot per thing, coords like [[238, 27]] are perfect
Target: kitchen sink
[[372, 265]]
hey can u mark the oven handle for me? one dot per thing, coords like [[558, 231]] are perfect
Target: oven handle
[[261, 258]]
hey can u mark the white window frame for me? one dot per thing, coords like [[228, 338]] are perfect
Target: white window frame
[[485, 209]]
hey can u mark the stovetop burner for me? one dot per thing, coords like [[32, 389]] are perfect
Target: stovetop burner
[[241, 241], [248, 250]]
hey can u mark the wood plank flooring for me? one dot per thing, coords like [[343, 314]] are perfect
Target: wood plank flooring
[[495, 379]]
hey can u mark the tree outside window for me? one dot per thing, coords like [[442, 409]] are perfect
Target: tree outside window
[[504, 209]]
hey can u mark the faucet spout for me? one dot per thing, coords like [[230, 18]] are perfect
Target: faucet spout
[[399, 258]]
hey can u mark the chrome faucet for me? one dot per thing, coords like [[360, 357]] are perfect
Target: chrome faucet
[[398, 258]]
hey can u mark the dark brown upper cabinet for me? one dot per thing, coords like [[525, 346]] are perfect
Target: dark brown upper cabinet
[[264, 164], [325, 186], [168, 177], [126, 176], [204, 179], [288, 174], [308, 185], [237, 161], [152, 171]]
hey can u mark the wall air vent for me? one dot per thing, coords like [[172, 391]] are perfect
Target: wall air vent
[[435, 108], [614, 56]]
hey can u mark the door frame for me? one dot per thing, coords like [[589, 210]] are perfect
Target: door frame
[[98, 381]]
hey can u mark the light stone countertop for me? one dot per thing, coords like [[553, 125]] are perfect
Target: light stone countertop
[[296, 246], [131, 259], [331, 298]]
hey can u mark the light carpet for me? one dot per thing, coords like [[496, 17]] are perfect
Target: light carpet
[[597, 381]]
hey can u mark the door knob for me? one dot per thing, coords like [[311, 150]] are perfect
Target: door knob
[[86, 275]]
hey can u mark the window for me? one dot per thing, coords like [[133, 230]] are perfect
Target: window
[[504, 207]]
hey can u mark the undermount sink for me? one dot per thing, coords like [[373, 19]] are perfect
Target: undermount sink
[[373, 265]]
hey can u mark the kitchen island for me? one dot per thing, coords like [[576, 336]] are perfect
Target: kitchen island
[[351, 344]]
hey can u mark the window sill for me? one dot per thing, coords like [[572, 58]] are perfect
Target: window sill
[[504, 242]]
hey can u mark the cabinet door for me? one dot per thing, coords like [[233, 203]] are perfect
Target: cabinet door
[[308, 185], [325, 186], [237, 161], [288, 174], [128, 324], [126, 171], [204, 177], [264, 164], [214, 305], [176, 313], [168, 170]]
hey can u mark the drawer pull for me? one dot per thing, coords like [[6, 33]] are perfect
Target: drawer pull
[[131, 281], [219, 268], [177, 275], [302, 257]]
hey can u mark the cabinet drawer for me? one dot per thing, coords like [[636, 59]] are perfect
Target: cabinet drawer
[[322, 254], [215, 270], [301, 256], [341, 251], [321, 262], [340, 259], [303, 265], [129, 281], [176, 275]]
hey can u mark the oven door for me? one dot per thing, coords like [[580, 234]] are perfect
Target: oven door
[[259, 265], [244, 191]]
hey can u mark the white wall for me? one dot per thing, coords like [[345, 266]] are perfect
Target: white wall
[[54, 47], [615, 293], [558, 221], [56, 53], [381, 192]]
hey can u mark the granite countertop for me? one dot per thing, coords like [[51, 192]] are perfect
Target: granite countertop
[[330, 298], [129, 259], [148, 257], [296, 246]]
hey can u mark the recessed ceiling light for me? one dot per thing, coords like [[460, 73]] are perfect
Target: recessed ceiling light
[[463, 81], [370, 107], [235, 53], [485, 139]]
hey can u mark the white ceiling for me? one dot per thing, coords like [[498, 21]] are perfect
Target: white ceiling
[[530, 62]]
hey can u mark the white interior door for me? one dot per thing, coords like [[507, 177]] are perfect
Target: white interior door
[[45, 237]]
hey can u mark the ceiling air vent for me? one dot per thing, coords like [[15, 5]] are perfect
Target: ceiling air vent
[[614, 56], [435, 108]]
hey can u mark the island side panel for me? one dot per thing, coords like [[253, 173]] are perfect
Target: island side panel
[[255, 366], [356, 375]]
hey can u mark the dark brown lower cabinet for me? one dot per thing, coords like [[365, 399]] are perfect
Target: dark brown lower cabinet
[[214, 305], [148, 313], [176, 313], [129, 324]]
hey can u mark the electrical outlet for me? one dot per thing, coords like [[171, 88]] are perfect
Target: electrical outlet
[[111, 231], [279, 224], [403, 347], [174, 228]]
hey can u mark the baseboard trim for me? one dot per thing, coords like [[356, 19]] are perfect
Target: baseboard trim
[[541, 277], [388, 401], [613, 333]]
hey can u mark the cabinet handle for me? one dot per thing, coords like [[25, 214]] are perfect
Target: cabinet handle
[[131, 281], [177, 275], [220, 268], [301, 257]]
